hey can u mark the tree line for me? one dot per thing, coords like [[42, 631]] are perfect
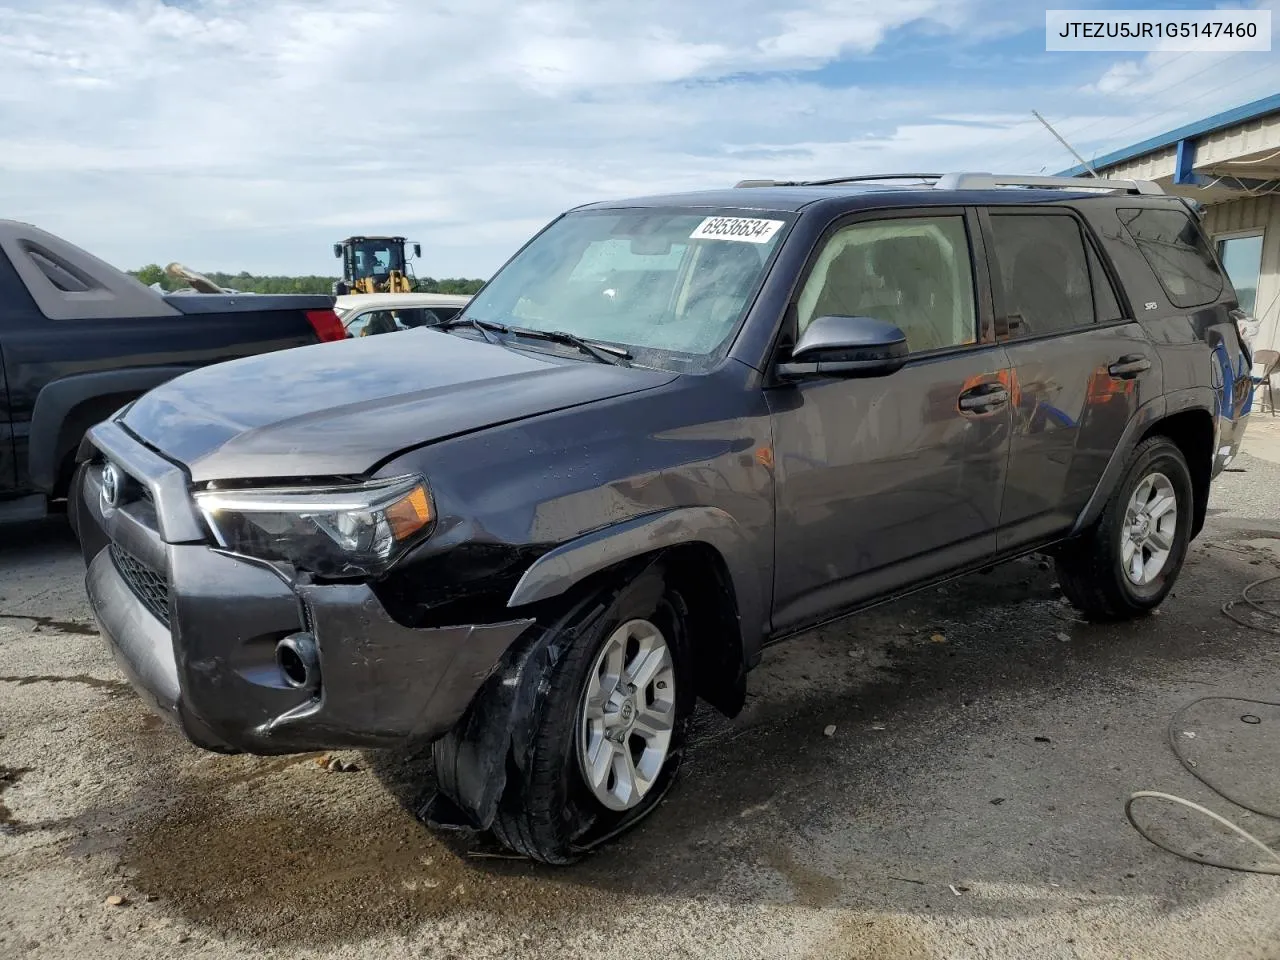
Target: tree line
[[247, 282]]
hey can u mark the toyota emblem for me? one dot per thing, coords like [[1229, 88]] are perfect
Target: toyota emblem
[[110, 486]]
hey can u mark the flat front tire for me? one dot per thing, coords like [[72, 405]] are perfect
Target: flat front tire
[[611, 733], [1129, 560]]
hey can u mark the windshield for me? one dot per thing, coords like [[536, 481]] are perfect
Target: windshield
[[376, 258], [668, 281]]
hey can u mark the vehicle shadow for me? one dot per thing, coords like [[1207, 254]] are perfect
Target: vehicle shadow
[[34, 540]]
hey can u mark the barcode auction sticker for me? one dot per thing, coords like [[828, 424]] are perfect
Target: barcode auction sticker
[[743, 229], [1183, 30]]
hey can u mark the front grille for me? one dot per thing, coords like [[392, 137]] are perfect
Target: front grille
[[149, 586]]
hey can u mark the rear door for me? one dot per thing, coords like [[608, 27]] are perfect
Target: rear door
[[884, 482], [1081, 365]]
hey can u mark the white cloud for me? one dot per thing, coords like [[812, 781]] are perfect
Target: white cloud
[[250, 134], [826, 30]]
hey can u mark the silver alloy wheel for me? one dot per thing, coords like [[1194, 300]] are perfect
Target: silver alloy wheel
[[1150, 522], [627, 715]]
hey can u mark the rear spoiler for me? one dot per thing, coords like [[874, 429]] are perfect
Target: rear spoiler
[[1194, 207]]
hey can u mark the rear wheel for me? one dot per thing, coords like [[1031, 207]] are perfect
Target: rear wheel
[[1128, 561], [609, 740]]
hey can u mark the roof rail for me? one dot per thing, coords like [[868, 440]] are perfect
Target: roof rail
[[989, 181], [873, 176], [836, 180]]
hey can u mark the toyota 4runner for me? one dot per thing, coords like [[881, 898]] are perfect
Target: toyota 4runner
[[668, 432]]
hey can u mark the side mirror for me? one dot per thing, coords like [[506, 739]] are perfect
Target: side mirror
[[846, 347], [417, 250], [337, 250]]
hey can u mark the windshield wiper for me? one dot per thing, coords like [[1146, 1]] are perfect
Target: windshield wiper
[[604, 352], [487, 328]]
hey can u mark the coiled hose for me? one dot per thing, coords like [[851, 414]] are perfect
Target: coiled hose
[[1246, 597]]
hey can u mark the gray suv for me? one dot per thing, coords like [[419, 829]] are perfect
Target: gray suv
[[668, 432]]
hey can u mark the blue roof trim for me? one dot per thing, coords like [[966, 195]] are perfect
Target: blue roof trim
[[1229, 118]]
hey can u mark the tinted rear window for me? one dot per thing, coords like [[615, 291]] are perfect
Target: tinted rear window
[[1044, 273], [1178, 253]]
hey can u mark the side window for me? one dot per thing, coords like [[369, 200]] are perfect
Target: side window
[[425, 316], [1177, 252], [380, 321], [913, 272], [371, 323], [407, 317], [1105, 304], [1043, 272]]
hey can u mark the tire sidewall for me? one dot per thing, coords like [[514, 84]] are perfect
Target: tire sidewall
[[1163, 457], [646, 598]]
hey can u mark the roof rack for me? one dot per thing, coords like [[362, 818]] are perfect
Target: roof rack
[[874, 176], [835, 180], [989, 181], [976, 181]]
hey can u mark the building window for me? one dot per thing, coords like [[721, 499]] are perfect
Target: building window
[[1242, 259]]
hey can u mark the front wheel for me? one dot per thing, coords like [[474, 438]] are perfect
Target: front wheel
[[1128, 561], [610, 736]]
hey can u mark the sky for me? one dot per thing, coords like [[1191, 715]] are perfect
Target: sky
[[252, 134]]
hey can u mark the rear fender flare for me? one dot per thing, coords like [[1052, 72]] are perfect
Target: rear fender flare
[[1146, 416], [560, 569], [67, 407]]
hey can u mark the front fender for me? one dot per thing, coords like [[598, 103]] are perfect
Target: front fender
[[67, 407], [558, 570]]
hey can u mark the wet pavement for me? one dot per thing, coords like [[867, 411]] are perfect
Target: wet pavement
[[968, 804]]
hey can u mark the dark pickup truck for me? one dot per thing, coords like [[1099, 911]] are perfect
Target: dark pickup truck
[[670, 431], [79, 339]]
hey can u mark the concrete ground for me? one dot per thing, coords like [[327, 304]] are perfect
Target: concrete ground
[[969, 804]]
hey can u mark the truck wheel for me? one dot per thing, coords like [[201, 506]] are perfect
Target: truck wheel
[[1126, 563], [610, 737]]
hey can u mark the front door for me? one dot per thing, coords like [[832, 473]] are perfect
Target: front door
[[887, 481], [1081, 367]]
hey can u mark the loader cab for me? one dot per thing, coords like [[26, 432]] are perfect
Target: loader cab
[[374, 265]]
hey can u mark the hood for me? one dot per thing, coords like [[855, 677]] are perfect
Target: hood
[[339, 408]]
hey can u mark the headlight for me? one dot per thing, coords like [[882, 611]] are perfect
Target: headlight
[[339, 531]]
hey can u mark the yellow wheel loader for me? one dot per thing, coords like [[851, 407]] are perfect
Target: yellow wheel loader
[[374, 265]]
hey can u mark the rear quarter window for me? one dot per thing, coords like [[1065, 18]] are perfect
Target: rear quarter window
[[1177, 253]]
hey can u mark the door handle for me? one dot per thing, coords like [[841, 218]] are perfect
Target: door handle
[[983, 399], [1129, 366]]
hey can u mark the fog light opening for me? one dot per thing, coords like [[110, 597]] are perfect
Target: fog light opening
[[298, 661]]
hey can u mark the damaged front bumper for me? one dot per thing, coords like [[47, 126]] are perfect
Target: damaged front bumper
[[196, 629]]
